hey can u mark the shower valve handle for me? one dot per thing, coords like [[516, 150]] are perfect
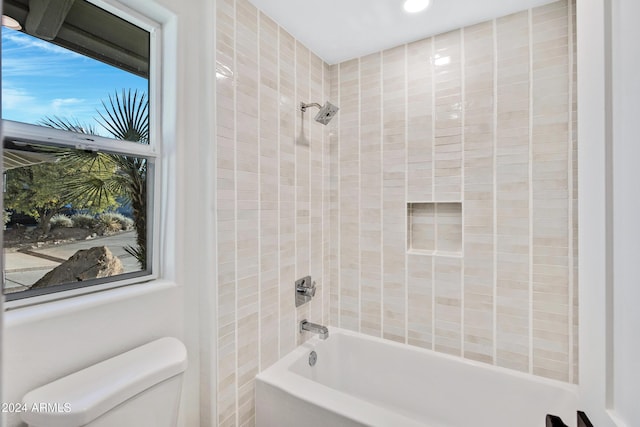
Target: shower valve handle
[[308, 290], [305, 289]]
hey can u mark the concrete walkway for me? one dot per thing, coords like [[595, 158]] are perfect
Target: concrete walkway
[[25, 268]]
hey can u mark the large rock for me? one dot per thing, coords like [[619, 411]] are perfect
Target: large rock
[[83, 265]]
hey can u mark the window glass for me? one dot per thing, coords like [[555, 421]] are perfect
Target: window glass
[[74, 217]]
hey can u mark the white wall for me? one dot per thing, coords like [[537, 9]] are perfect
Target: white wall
[[47, 341], [609, 123], [43, 343], [626, 210]]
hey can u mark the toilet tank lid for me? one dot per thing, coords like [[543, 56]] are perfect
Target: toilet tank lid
[[83, 396]]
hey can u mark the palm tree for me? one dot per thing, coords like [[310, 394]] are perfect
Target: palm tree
[[125, 117]]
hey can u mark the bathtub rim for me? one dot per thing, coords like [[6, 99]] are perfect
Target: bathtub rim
[[310, 344], [281, 376]]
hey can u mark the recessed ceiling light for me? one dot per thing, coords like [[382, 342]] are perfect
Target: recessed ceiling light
[[11, 23], [415, 6]]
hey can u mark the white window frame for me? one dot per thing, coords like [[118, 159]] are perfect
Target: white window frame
[[152, 151]]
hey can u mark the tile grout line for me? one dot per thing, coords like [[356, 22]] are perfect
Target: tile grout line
[[213, 414], [462, 184], [309, 173], [278, 153], [296, 95], [495, 191], [322, 282], [310, 170], [235, 201], [406, 191], [571, 195], [530, 166], [433, 190], [359, 196], [339, 204], [326, 206], [259, 84], [381, 102]]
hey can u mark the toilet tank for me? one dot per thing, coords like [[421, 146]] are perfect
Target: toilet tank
[[138, 388]]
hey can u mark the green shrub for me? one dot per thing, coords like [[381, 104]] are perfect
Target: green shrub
[[126, 223], [111, 222], [6, 217], [60, 221], [83, 221], [107, 224]]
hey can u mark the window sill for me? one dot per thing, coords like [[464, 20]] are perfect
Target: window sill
[[63, 303]]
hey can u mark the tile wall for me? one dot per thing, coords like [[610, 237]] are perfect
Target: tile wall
[[479, 121], [482, 117], [272, 198]]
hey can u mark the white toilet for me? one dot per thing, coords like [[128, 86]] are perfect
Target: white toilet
[[138, 388]]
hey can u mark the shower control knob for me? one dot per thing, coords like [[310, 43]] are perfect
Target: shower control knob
[[308, 290], [305, 290]]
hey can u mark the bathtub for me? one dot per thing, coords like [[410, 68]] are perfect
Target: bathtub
[[364, 381]]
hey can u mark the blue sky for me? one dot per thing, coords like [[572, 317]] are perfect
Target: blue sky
[[40, 79]]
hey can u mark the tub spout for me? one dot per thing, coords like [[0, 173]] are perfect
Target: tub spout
[[322, 331]]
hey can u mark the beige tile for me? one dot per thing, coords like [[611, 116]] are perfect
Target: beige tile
[[337, 207]]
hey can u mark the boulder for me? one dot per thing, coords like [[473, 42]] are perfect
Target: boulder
[[83, 265]]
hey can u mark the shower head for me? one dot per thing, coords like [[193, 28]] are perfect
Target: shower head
[[326, 113]]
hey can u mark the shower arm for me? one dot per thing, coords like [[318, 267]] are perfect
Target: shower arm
[[304, 106]]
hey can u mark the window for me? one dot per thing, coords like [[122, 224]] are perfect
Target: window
[[79, 154]]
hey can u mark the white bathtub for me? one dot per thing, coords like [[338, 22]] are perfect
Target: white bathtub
[[365, 381]]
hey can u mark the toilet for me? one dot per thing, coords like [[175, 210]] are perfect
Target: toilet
[[138, 388]]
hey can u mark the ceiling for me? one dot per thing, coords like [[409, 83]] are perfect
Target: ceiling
[[338, 30]]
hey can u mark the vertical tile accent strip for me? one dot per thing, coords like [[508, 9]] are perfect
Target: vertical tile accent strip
[[259, 197], [269, 213], [432, 58], [448, 185], [316, 184], [370, 178], [463, 107], [448, 113], [512, 192], [302, 146], [349, 195], [495, 191], [551, 196], [334, 142], [478, 198], [394, 200], [570, 186], [448, 275], [381, 130], [247, 205], [574, 187], [406, 191], [420, 121], [225, 206], [327, 218], [287, 192], [358, 190]]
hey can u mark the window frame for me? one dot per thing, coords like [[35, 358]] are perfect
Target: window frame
[[25, 132]]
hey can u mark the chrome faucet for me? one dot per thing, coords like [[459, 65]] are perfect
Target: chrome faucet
[[322, 331]]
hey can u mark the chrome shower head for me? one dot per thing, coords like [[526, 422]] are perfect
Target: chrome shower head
[[326, 113]]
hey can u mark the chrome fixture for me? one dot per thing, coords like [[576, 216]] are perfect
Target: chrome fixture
[[326, 113], [305, 290], [322, 331]]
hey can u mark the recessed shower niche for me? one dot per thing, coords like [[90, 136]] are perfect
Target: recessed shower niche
[[434, 228]]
